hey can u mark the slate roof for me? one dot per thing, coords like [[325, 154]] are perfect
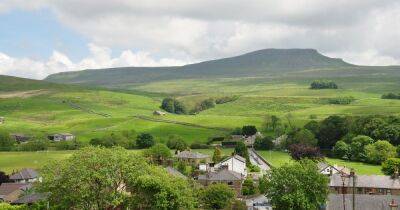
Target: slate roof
[[31, 198], [174, 172], [222, 175], [26, 173], [191, 155], [368, 181], [362, 201], [238, 157], [7, 188]]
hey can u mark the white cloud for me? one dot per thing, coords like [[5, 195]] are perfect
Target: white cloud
[[100, 57], [360, 31]]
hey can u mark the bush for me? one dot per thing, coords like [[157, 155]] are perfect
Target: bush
[[68, 145], [217, 196], [203, 105], [341, 100], [341, 150], [226, 99], [254, 168], [158, 153], [390, 166], [111, 140], [37, 144], [379, 152], [199, 146], [172, 105], [265, 143], [144, 140], [391, 96], [323, 84], [248, 187], [176, 142]]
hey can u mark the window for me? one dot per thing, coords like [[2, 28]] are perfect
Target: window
[[230, 183]]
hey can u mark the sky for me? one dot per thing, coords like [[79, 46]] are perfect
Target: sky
[[42, 37]]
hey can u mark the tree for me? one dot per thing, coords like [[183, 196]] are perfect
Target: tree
[[176, 142], [249, 130], [379, 151], [302, 136], [301, 151], [144, 140], [298, 186], [217, 196], [357, 147], [323, 84], [168, 105], [6, 142], [248, 187], [4, 177], [92, 178], [180, 108], [312, 126], [217, 156], [265, 143], [158, 153], [390, 166], [271, 122], [38, 143], [389, 132], [341, 150], [332, 129], [241, 149]]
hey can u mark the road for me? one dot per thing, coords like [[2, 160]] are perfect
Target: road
[[255, 160]]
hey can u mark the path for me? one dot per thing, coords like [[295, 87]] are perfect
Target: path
[[259, 161]]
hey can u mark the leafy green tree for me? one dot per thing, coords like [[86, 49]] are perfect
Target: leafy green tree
[[168, 105], [303, 136], [217, 196], [341, 150], [312, 126], [144, 140], [6, 142], [180, 108], [298, 186], [241, 149], [379, 152], [249, 130], [264, 143], [158, 153], [248, 187], [357, 147], [271, 122], [100, 178], [176, 142], [389, 132], [390, 166], [331, 130], [217, 156]]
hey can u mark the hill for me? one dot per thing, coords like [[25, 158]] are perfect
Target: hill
[[266, 62]]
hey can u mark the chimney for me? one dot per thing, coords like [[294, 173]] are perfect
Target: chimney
[[396, 174], [393, 205]]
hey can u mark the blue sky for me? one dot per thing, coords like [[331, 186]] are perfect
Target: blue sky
[[36, 34]]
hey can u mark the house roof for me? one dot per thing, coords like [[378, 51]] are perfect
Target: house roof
[[237, 157], [31, 198], [26, 173], [8, 188], [174, 172], [222, 175], [362, 201], [368, 181], [191, 155]]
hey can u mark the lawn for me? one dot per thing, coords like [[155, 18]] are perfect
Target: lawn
[[278, 158]]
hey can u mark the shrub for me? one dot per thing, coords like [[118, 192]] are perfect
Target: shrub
[[391, 96], [265, 143], [390, 166], [379, 152], [176, 142], [199, 146], [341, 100], [217, 196], [323, 84], [37, 144], [172, 105], [248, 187], [226, 99], [254, 168], [144, 140]]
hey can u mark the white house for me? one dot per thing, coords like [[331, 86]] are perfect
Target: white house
[[235, 163]]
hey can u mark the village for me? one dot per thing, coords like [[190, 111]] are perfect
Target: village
[[346, 188]]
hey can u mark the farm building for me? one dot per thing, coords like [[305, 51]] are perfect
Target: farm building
[[2, 120], [159, 113], [10, 192], [223, 175], [61, 137], [192, 157], [26, 175]]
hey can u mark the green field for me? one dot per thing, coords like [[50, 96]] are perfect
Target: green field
[[277, 158]]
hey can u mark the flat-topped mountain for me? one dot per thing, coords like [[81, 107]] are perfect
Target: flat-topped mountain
[[258, 63]]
